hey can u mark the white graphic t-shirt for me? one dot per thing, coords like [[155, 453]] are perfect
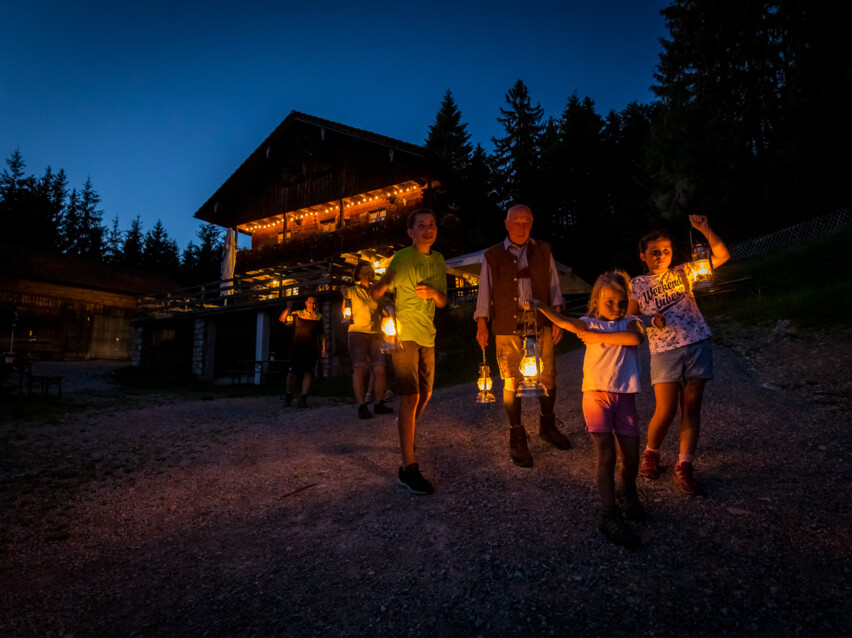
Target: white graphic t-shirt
[[670, 293]]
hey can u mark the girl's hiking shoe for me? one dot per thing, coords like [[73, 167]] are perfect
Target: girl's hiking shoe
[[364, 412], [684, 480], [650, 467], [411, 478], [616, 530], [631, 506]]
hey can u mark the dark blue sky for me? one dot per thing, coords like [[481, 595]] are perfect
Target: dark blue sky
[[159, 102]]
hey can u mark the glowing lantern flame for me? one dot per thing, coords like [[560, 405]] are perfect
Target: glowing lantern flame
[[389, 327], [531, 386], [484, 383], [347, 311], [529, 367], [702, 267]]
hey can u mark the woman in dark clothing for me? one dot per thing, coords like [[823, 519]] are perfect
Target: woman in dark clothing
[[307, 332]]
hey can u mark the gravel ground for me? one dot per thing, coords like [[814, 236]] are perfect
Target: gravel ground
[[238, 517]]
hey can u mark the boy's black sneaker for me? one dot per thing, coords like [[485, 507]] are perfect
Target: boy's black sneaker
[[364, 412], [616, 530], [381, 408], [410, 477]]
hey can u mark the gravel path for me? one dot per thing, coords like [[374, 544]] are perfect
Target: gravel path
[[238, 517]]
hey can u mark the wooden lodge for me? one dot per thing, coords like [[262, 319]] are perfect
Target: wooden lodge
[[315, 197]]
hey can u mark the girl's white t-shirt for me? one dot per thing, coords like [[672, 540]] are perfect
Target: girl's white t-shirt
[[611, 368], [670, 293]]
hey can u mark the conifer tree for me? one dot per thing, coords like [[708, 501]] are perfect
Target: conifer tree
[[516, 159], [14, 187], [160, 253], [91, 226], [72, 224], [133, 246], [448, 140], [113, 243]]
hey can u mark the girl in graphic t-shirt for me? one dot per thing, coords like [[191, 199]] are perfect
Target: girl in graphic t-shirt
[[679, 341], [610, 384]]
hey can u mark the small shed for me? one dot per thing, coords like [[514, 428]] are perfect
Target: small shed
[[67, 308]]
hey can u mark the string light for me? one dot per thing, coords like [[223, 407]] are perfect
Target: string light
[[332, 207]]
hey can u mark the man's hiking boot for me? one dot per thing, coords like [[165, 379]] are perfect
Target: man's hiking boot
[[518, 449]]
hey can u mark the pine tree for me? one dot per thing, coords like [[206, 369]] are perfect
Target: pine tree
[[133, 244], [202, 263], [72, 226], [516, 159], [451, 156], [48, 210], [14, 189], [448, 141], [91, 223], [160, 253], [113, 243]]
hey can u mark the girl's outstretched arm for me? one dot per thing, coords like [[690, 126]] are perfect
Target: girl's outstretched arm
[[632, 336], [567, 323], [717, 246]]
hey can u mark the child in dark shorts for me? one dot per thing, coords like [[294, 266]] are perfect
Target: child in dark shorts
[[417, 274]]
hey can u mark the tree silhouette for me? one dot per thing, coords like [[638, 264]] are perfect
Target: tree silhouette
[[160, 253], [113, 243], [517, 154]]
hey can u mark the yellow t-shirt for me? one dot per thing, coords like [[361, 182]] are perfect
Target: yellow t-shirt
[[364, 309]]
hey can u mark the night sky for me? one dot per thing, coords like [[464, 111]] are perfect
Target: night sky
[[159, 102]]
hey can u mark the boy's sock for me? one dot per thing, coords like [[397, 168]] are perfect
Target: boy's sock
[[652, 450], [685, 458]]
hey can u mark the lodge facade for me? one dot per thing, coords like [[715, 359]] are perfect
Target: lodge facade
[[315, 197]]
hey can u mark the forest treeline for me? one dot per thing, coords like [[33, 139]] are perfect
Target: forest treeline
[[749, 126]]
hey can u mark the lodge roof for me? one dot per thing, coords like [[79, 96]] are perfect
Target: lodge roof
[[299, 164], [30, 264]]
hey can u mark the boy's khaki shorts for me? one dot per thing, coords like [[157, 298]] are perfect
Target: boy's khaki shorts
[[414, 368]]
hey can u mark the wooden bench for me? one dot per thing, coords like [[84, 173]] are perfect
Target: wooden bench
[[44, 383]]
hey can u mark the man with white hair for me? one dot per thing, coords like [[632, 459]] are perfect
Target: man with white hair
[[514, 272]]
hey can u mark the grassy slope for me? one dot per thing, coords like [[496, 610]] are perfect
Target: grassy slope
[[809, 284]]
